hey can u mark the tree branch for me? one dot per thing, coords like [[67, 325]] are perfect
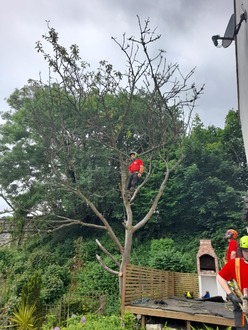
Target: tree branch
[[105, 266], [107, 253], [99, 215], [7, 202], [157, 198], [70, 222]]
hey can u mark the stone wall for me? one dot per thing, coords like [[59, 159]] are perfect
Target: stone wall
[[5, 232], [8, 231]]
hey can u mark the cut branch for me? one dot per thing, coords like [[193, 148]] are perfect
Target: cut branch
[[105, 266], [107, 253]]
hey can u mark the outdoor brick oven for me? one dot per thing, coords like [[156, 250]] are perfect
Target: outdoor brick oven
[[207, 269], [207, 260]]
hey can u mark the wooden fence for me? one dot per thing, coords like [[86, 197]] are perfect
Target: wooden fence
[[143, 282], [78, 304]]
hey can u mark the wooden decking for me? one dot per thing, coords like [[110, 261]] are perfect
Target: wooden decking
[[155, 293], [214, 313]]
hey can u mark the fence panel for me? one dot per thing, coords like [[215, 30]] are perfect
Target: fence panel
[[144, 282]]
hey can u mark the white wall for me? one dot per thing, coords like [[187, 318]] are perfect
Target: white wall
[[209, 283]]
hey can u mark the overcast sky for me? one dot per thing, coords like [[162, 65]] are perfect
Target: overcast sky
[[186, 27]]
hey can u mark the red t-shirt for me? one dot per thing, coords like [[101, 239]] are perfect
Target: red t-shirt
[[135, 165], [228, 272], [232, 246]]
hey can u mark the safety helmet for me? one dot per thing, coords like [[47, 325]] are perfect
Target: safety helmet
[[132, 153], [243, 243], [231, 233]]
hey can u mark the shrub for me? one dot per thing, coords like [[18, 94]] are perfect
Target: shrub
[[53, 289], [164, 255], [7, 258], [56, 279], [93, 278], [91, 322], [41, 259]]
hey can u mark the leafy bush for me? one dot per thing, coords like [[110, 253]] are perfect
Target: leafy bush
[[53, 289], [7, 258], [93, 278], [88, 250], [93, 322], [164, 255], [41, 259], [63, 250]]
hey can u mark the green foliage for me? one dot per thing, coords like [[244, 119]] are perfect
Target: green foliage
[[93, 278], [24, 318], [204, 194], [56, 280], [95, 322], [12, 266], [8, 257], [129, 321], [210, 328], [51, 261], [41, 259], [53, 290], [31, 291], [140, 249], [50, 321], [165, 255]]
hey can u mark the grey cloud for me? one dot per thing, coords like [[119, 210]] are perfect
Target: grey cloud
[[186, 27]]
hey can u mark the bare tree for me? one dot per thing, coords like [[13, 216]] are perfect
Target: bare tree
[[82, 114]]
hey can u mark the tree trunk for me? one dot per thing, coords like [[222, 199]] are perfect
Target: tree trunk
[[126, 254]]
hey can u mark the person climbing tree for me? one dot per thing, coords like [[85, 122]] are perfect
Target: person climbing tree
[[135, 169]]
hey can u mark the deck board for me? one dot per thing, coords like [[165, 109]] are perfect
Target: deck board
[[206, 312]]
